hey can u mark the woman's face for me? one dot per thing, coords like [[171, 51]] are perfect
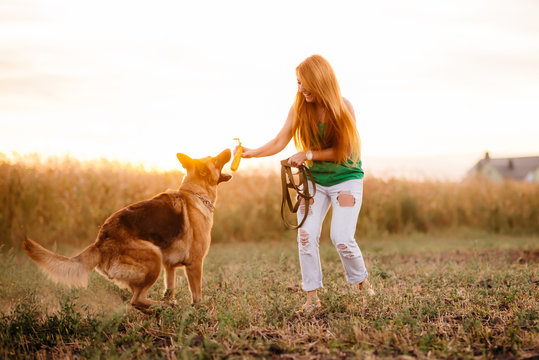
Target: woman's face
[[307, 94]]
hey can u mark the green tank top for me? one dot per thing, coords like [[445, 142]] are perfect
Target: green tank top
[[328, 173]]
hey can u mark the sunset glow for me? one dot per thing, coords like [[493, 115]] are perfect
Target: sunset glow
[[434, 84]]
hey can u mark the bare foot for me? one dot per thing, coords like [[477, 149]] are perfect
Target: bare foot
[[366, 286], [310, 306]]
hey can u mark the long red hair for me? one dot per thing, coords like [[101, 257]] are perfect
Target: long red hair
[[317, 77]]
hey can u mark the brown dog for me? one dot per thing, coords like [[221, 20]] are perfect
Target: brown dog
[[172, 229]]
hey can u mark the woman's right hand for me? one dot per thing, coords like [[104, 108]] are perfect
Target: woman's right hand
[[247, 153]]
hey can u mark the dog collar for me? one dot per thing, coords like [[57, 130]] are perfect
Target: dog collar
[[204, 200]]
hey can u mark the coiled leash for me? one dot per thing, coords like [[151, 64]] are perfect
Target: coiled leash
[[302, 188]]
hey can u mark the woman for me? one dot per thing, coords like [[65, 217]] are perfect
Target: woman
[[322, 124]]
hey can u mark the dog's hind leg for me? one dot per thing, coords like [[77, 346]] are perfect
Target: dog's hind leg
[[194, 275], [170, 283], [140, 289], [140, 301], [138, 266]]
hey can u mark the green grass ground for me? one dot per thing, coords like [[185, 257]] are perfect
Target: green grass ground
[[438, 296]]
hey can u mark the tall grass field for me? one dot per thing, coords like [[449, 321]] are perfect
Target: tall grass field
[[455, 267]]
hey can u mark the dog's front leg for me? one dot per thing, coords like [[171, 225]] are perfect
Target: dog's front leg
[[170, 283], [194, 276]]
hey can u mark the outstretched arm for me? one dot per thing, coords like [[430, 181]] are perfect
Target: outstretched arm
[[275, 145]]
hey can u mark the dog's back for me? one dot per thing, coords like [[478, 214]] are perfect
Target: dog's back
[[160, 220]]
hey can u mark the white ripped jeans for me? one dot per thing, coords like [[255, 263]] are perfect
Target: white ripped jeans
[[346, 199]]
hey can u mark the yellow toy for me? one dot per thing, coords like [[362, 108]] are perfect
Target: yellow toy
[[236, 161]]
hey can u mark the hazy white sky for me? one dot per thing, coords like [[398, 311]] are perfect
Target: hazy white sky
[[434, 84]]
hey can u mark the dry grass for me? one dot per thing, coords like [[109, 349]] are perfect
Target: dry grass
[[437, 297]]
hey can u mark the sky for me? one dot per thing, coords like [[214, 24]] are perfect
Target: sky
[[434, 84]]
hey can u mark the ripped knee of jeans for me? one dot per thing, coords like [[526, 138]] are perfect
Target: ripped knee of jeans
[[303, 237], [346, 252], [346, 199]]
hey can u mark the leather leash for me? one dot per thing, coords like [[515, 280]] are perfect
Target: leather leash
[[302, 188]]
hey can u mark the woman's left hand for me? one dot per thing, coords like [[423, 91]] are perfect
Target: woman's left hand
[[297, 159]]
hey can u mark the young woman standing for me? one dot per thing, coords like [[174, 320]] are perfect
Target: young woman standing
[[322, 124]]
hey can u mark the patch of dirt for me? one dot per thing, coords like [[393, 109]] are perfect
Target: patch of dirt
[[524, 256], [458, 256]]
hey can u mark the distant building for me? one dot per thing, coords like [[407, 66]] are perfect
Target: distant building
[[500, 169]]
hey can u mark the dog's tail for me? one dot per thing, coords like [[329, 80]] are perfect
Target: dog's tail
[[71, 271]]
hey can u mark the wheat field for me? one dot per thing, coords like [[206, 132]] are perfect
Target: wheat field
[[63, 201]]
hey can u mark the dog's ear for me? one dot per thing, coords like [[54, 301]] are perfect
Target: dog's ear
[[223, 158], [224, 178], [186, 161]]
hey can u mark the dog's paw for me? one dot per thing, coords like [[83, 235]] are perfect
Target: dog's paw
[[168, 294]]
